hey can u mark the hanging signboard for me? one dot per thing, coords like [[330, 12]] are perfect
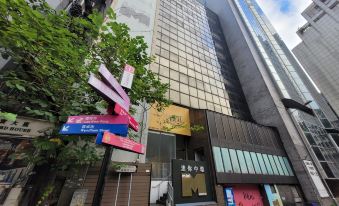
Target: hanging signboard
[[120, 142], [316, 179], [24, 126]]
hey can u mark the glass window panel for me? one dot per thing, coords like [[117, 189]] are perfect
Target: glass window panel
[[217, 159], [174, 85], [249, 162], [184, 88], [288, 166], [242, 162], [277, 162], [202, 104], [184, 99], [227, 160], [234, 159], [174, 96], [267, 164], [283, 166], [194, 102], [256, 163], [273, 164]]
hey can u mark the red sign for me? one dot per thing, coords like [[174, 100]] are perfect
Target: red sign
[[123, 143], [132, 122], [97, 119]]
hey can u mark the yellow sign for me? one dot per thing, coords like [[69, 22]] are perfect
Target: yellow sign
[[192, 184], [173, 119]]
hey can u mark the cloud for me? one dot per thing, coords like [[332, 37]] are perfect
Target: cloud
[[285, 16]]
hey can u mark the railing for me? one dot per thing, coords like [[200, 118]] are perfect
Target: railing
[[13, 176], [170, 193]]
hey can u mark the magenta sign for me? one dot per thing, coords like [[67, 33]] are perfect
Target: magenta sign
[[120, 142], [106, 92], [97, 119]]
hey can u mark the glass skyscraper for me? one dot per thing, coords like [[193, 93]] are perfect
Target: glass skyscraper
[[291, 86]]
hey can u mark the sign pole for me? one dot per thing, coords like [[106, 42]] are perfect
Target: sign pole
[[99, 189], [126, 83]]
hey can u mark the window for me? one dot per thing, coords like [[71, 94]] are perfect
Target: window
[[256, 163], [274, 166], [160, 153], [242, 161], [217, 159], [267, 164], [234, 159], [227, 160], [277, 162], [249, 162], [288, 166], [283, 166]]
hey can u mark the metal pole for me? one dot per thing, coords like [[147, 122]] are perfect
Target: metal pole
[[99, 189], [117, 192], [130, 188]]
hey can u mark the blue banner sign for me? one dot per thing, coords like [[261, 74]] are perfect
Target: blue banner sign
[[83, 129]]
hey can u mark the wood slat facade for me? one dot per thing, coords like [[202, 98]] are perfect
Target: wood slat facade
[[140, 189]]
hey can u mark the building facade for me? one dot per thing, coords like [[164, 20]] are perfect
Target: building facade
[[281, 94], [319, 49]]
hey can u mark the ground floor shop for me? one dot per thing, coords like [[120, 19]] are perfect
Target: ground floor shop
[[262, 194]]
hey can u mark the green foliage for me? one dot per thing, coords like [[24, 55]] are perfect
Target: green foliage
[[8, 116], [54, 54], [47, 191]]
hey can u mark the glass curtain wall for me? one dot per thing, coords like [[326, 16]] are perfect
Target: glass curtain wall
[[290, 85]]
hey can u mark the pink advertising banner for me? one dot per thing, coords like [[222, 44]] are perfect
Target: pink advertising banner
[[123, 143], [98, 119], [247, 195]]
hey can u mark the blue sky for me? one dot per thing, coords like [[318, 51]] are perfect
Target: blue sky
[[285, 15]]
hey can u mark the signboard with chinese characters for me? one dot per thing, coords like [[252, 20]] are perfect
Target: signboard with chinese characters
[[127, 169], [316, 178], [23, 126], [73, 129], [120, 142], [127, 76], [191, 182], [172, 117]]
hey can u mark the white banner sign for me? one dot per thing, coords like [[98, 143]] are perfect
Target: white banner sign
[[316, 179], [127, 76], [24, 126]]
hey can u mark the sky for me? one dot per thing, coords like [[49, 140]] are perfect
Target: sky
[[285, 15]]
